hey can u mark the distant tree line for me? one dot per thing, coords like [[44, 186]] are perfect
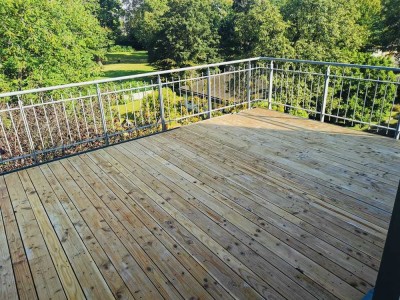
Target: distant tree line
[[185, 32], [51, 42]]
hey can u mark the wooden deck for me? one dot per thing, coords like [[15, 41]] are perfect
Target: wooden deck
[[248, 206]]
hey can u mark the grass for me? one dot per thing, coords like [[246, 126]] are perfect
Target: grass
[[126, 63]]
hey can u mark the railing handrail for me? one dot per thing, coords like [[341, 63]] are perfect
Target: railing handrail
[[93, 82], [336, 64], [99, 81]]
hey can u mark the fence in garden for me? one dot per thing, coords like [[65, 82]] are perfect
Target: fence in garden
[[42, 124]]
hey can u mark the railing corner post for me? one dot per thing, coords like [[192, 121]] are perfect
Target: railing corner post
[[249, 85], [271, 84], [326, 91], [103, 116], [397, 132], [161, 100], [209, 111]]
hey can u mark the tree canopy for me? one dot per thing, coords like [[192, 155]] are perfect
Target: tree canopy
[[324, 29], [109, 14], [48, 42], [391, 24], [257, 30], [306, 29], [186, 35], [144, 21]]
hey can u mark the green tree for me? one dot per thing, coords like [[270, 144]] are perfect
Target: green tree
[[48, 42], [143, 21], [109, 14], [370, 18], [391, 22], [260, 30], [187, 35], [324, 29]]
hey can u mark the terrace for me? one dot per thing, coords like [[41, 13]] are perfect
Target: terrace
[[191, 201]]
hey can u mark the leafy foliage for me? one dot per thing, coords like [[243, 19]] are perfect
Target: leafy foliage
[[324, 29], [108, 15], [370, 18], [258, 30], [186, 35], [47, 43], [143, 21], [391, 23]]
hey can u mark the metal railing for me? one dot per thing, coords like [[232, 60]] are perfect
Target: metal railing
[[42, 124]]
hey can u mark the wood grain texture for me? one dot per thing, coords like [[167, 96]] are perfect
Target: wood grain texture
[[247, 206], [23, 277], [8, 288], [44, 273]]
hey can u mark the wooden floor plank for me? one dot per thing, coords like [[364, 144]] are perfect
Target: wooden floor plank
[[209, 153], [190, 237], [103, 260], [283, 148], [88, 277], [163, 259], [215, 225], [246, 206], [8, 288], [266, 217], [294, 208], [133, 275], [328, 134], [326, 128], [327, 149], [253, 230], [185, 258], [299, 176], [44, 273], [261, 236], [64, 270], [305, 169], [264, 134], [23, 277]]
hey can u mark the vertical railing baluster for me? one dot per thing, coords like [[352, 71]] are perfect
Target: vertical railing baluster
[[161, 99], [249, 85], [209, 110], [271, 84], [103, 116], [5, 136], [27, 130], [37, 125], [325, 95]]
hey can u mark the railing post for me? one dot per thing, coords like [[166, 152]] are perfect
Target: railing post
[[397, 132], [325, 96], [249, 85], [209, 111], [103, 116], [27, 130], [161, 99], [271, 84]]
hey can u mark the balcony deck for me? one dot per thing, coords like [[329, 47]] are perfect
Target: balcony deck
[[258, 204]]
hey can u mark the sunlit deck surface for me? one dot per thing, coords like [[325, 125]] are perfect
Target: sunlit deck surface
[[258, 204]]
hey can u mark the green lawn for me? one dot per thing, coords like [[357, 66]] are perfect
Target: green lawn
[[126, 63]]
